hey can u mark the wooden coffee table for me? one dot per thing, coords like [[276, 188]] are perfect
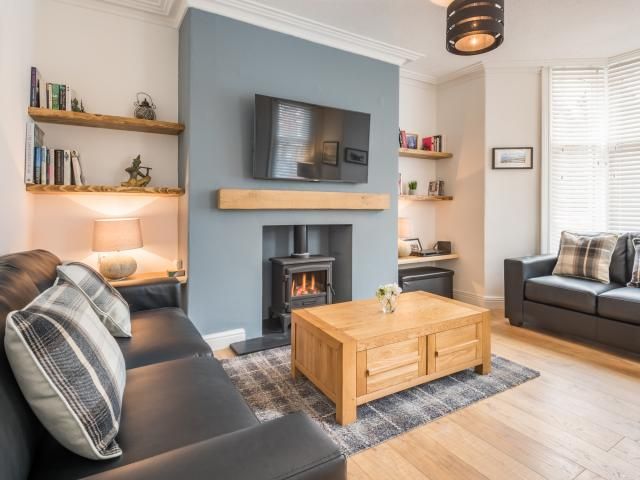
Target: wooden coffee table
[[354, 353]]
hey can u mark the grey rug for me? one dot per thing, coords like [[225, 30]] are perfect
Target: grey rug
[[264, 380]]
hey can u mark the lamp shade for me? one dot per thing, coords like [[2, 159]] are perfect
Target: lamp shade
[[405, 229], [474, 26], [116, 234]]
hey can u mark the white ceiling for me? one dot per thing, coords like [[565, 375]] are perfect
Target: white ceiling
[[535, 30]]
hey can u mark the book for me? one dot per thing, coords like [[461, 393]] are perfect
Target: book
[[78, 174], [43, 165], [49, 96], [58, 167], [34, 138], [50, 164], [37, 164], [55, 96], [35, 93], [68, 96], [62, 98], [67, 167]]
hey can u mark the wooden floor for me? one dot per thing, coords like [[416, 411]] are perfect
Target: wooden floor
[[579, 420]]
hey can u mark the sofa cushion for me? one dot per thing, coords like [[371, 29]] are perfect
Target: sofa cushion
[[69, 369], [621, 304], [573, 293], [586, 255], [105, 300], [160, 335], [166, 406], [618, 269], [630, 253]]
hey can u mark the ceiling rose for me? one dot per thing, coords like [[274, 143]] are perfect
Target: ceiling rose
[[474, 26]]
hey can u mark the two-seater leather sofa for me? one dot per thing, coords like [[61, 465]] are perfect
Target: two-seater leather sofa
[[182, 418], [604, 313]]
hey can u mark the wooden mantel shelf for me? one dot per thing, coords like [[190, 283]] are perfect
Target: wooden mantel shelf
[[236, 199], [95, 120], [426, 198], [105, 189], [427, 154]]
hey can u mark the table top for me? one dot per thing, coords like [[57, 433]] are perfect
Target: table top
[[417, 314]]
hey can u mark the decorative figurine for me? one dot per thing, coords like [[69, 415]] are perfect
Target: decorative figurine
[[145, 109], [75, 107], [136, 177]]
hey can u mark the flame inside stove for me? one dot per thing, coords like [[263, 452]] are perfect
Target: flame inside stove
[[306, 284]]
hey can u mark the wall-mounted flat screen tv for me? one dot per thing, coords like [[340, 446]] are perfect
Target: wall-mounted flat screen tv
[[301, 141]]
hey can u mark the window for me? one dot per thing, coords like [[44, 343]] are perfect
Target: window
[[594, 149]]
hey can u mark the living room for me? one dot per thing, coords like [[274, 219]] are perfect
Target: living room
[[320, 239]]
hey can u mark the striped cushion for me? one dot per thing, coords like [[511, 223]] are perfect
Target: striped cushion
[[108, 304], [635, 276], [586, 255], [69, 369]]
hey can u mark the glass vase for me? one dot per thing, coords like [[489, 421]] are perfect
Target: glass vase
[[389, 303]]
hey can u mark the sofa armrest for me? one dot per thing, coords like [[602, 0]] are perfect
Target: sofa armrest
[[516, 273], [152, 293], [289, 447]]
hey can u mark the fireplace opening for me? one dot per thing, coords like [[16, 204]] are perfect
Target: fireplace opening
[[308, 284]]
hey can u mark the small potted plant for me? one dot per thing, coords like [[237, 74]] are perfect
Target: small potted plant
[[388, 296], [413, 186]]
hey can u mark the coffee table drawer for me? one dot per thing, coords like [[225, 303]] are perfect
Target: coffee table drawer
[[458, 346], [392, 364]]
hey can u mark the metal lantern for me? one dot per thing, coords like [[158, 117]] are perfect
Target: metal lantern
[[474, 26], [145, 108]]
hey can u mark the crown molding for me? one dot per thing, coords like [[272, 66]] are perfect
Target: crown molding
[[465, 72], [255, 13], [418, 77], [166, 13]]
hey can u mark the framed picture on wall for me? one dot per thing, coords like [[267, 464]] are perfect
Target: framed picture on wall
[[512, 158], [353, 155], [330, 153], [412, 141], [414, 243]]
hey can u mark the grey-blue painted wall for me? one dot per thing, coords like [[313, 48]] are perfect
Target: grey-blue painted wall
[[223, 64]]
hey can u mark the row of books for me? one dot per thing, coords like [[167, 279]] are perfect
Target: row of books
[[434, 143], [49, 95], [49, 166]]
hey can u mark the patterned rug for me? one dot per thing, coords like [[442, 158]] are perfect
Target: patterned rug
[[264, 380]]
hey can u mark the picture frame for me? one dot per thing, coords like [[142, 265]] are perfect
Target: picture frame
[[412, 141], [330, 151], [512, 158], [357, 156], [414, 243]]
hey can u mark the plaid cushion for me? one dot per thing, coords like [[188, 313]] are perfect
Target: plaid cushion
[[111, 308], [70, 369], [586, 255], [635, 276]]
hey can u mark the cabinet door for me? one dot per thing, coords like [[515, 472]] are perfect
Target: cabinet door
[[393, 364], [457, 347]]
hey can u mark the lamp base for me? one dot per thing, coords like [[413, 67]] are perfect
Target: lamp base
[[117, 266]]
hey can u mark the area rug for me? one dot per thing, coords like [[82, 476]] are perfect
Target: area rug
[[265, 382]]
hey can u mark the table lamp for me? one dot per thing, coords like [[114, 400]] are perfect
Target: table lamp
[[116, 235], [405, 230]]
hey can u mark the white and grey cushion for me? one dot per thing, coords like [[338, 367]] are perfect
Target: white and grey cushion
[[635, 275], [586, 255], [70, 370], [111, 308]]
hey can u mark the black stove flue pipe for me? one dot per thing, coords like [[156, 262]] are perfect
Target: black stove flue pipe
[[300, 241]]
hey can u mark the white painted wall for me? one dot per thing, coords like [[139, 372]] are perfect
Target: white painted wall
[[107, 59], [461, 118], [16, 54], [418, 115], [512, 197]]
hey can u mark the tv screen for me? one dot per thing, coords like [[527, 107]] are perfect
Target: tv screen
[[300, 141]]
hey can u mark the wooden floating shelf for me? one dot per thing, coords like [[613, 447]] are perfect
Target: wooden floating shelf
[[112, 122], [429, 155], [235, 199], [433, 258], [426, 198], [105, 189]]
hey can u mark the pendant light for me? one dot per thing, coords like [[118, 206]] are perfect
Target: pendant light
[[474, 26]]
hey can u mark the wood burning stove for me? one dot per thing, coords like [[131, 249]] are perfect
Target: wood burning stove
[[299, 281]]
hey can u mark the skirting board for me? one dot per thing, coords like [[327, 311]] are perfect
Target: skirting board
[[220, 340], [492, 303]]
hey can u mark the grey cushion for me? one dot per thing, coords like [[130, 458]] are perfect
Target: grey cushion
[[621, 304], [159, 335], [630, 253], [586, 255], [618, 269], [573, 293], [166, 406]]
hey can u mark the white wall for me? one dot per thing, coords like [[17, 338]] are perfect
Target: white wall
[[418, 115], [512, 197], [461, 118], [107, 59], [16, 54]]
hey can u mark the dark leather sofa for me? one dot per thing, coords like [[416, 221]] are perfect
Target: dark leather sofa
[[182, 418], [604, 313]]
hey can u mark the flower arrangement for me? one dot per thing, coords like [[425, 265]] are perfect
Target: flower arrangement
[[388, 295]]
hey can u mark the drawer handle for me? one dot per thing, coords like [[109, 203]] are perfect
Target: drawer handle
[[455, 348], [400, 362]]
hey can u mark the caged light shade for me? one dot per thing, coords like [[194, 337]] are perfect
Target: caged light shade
[[474, 26]]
